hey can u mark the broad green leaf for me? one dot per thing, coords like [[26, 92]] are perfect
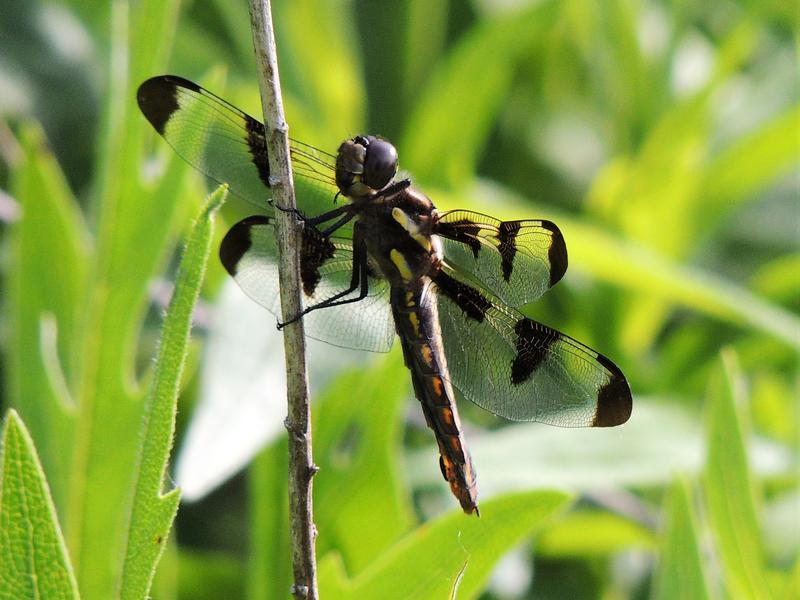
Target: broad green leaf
[[46, 285], [455, 112], [451, 556], [680, 571], [729, 489], [151, 512], [358, 496], [591, 533], [33, 557]]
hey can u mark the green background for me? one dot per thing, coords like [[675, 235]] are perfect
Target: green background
[[663, 138]]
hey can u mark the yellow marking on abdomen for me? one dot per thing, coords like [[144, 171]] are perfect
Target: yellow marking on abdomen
[[427, 354], [414, 320]]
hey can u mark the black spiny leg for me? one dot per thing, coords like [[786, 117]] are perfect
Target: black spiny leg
[[359, 279], [326, 216]]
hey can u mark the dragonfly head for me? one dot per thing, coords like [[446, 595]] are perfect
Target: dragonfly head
[[365, 165]]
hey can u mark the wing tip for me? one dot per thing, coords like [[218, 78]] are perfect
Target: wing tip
[[557, 253], [158, 99], [614, 399], [237, 242]]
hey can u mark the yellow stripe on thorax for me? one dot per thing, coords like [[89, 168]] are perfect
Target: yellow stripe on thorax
[[407, 223], [401, 263]]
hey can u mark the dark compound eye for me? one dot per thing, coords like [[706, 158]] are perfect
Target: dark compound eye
[[380, 165]]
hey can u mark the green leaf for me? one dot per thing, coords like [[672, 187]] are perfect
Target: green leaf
[[457, 108], [752, 163], [33, 557], [152, 513], [729, 490], [601, 254], [318, 63], [451, 556], [136, 224], [50, 248], [587, 533], [359, 499], [680, 573]]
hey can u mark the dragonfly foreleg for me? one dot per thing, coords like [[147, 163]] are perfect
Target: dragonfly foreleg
[[358, 280]]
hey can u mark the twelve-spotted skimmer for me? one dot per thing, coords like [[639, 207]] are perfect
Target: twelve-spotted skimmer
[[387, 262]]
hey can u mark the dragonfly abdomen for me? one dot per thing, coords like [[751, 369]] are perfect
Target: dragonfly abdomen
[[418, 328]]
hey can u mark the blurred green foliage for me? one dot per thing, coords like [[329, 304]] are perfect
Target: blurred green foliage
[[662, 137]]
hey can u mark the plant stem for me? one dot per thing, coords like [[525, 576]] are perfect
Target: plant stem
[[298, 421]]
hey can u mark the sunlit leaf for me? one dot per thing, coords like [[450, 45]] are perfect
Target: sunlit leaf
[[729, 489], [753, 162], [454, 550], [680, 570], [33, 557], [586, 533], [50, 249]]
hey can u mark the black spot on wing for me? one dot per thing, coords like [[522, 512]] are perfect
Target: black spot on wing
[[507, 236], [614, 401], [257, 145], [557, 253], [533, 343], [238, 241], [466, 297], [464, 231], [316, 249], [158, 99]]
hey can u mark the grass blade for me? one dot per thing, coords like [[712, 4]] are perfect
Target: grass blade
[[680, 573], [152, 513], [729, 489]]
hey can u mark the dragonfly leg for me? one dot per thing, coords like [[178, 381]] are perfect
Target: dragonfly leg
[[358, 280]]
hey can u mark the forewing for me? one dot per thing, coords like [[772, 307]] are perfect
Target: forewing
[[249, 254], [517, 261], [520, 369], [229, 145]]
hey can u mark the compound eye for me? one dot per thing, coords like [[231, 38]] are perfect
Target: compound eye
[[380, 166]]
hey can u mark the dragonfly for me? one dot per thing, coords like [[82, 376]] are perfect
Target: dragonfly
[[385, 263]]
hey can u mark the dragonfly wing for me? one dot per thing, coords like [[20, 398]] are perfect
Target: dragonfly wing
[[249, 254], [517, 261], [520, 369]]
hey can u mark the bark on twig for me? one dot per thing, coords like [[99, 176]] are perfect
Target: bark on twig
[[298, 421]]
